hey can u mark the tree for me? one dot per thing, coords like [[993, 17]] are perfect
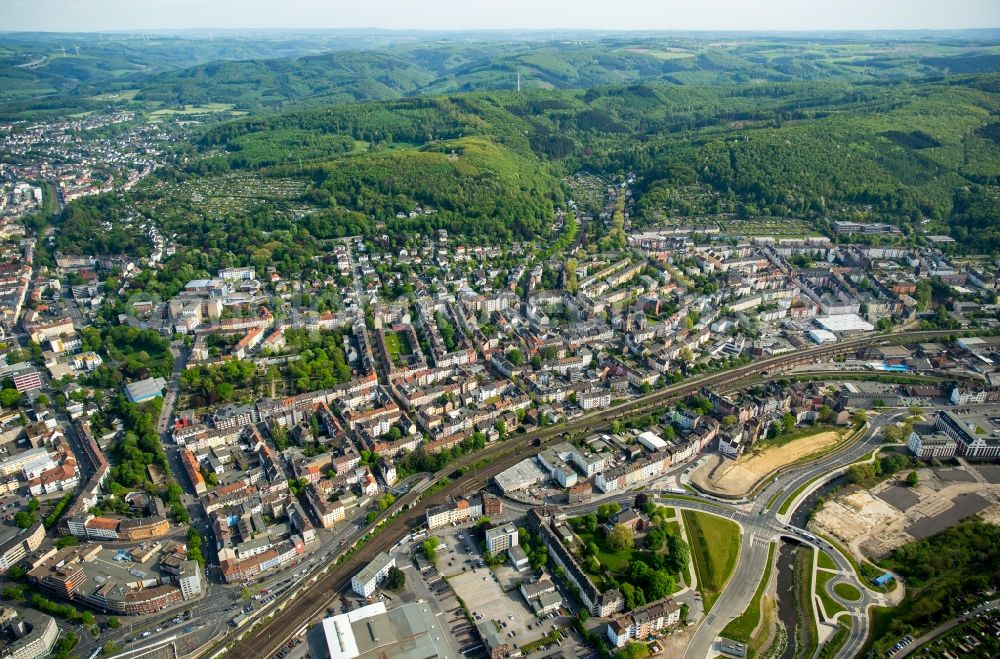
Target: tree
[[825, 414], [395, 579], [660, 585], [633, 650], [13, 592], [430, 546], [864, 474], [33, 505], [23, 519], [114, 622], [593, 565], [912, 479], [655, 538], [678, 553], [66, 541], [9, 397], [515, 357], [621, 538]]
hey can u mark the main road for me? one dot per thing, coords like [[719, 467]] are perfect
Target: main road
[[265, 639]]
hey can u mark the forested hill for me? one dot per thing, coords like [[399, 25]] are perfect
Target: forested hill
[[249, 78], [923, 155]]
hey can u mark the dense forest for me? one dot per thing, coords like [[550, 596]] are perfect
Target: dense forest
[[923, 155], [943, 574]]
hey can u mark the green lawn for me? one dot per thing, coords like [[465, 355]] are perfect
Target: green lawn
[[715, 546], [398, 346], [847, 591], [826, 562], [742, 628], [807, 634], [830, 605], [865, 572]]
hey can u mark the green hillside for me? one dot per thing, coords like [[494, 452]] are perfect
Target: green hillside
[[275, 70], [920, 154]]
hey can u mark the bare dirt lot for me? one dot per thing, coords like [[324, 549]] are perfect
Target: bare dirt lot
[[737, 477], [874, 522]]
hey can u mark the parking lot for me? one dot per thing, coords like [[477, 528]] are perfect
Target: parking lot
[[452, 617], [487, 601]]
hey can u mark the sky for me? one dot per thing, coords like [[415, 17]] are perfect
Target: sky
[[96, 15]]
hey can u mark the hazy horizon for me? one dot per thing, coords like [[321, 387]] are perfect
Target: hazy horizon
[[454, 15]]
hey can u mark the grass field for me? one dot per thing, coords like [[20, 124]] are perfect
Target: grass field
[[715, 546], [663, 54], [123, 95], [826, 562], [742, 628], [830, 605], [807, 633], [847, 591], [208, 108]]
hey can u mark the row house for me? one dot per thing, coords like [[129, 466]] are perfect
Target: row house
[[642, 470], [644, 622]]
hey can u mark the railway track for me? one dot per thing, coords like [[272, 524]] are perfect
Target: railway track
[[266, 640]]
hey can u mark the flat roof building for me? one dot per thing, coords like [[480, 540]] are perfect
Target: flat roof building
[[652, 441], [848, 322], [365, 581], [411, 631], [521, 476], [143, 390]]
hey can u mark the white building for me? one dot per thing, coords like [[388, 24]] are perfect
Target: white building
[[365, 581], [594, 399], [652, 441], [501, 538], [189, 579], [937, 445]]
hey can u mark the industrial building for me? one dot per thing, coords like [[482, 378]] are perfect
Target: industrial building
[[411, 631]]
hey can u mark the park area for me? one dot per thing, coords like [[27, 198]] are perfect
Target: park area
[[645, 566], [721, 475]]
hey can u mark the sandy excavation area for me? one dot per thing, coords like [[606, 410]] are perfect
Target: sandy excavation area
[[871, 525], [737, 477]]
